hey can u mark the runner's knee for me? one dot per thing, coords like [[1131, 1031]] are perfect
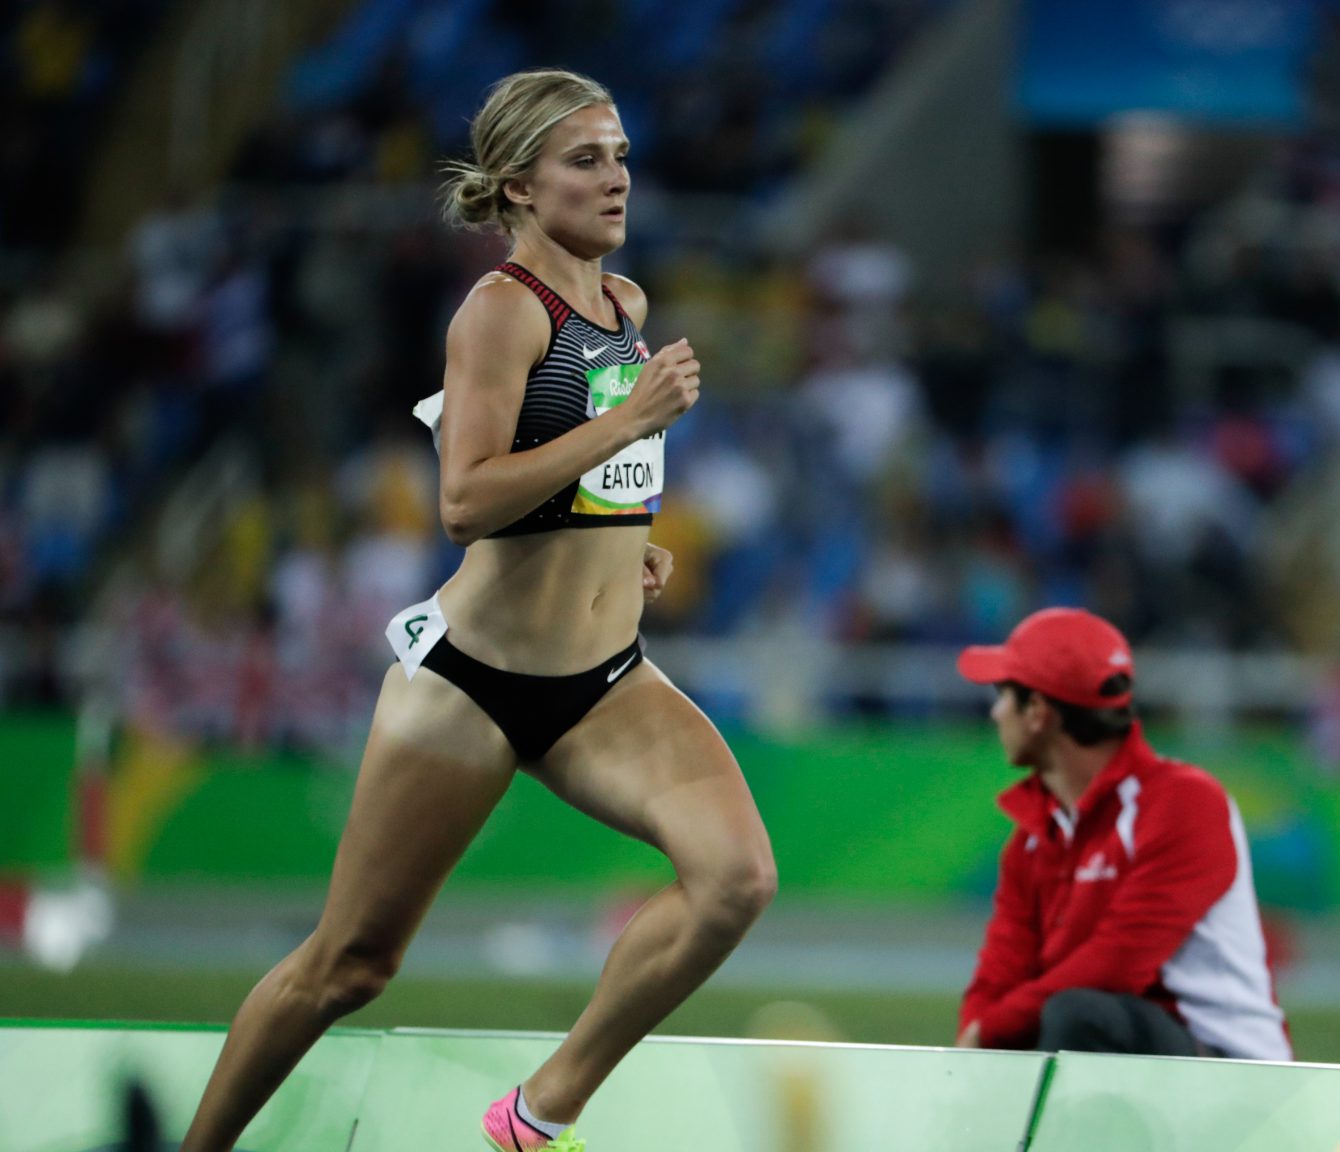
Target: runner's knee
[[740, 890], [351, 977]]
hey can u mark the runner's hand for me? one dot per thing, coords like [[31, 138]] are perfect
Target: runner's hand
[[666, 388], [657, 564]]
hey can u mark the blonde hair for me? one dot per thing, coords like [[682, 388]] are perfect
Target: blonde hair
[[506, 137]]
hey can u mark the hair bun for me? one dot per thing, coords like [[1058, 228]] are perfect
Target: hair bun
[[506, 137], [471, 195]]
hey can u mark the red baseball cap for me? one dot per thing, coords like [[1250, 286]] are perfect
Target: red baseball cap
[[1065, 653]]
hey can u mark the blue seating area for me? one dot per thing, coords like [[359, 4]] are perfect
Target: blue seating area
[[680, 81]]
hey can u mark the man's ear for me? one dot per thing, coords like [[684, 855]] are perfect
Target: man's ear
[[1039, 712]]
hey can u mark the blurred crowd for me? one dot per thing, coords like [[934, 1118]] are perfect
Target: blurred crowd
[[216, 458], [59, 62], [734, 96]]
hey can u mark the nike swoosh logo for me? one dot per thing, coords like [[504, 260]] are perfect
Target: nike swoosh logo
[[620, 670], [592, 353]]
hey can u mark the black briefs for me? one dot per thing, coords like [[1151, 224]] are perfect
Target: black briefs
[[532, 711]]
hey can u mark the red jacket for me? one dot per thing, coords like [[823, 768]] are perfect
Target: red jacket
[[1145, 888]]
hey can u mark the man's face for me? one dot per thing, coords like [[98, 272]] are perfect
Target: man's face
[[1017, 726]]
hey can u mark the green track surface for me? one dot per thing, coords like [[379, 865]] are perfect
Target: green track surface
[[95, 993]]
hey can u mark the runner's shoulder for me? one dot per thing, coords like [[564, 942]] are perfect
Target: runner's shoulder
[[500, 310], [631, 297]]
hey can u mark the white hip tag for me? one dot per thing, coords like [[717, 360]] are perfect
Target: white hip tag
[[429, 411], [630, 481], [414, 631]]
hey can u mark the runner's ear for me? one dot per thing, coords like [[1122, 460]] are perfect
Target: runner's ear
[[517, 191]]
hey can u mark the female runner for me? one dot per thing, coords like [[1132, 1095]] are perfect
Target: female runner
[[552, 425]]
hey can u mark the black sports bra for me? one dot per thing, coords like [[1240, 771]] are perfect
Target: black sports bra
[[587, 370]]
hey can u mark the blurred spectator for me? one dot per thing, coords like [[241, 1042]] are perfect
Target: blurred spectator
[[1179, 497], [1326, 725], [174, 251], [62, 57], [42, 329], [64, 489], [236, 343], [902, 594], [1320, 387], [867, 412], [389, 490], [736, 498], [865, 280], [52, 46], [1304, 559]]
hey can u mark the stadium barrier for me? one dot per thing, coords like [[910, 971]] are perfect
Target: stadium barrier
[[711, 1095], [63, 1087], [1148, 1104]]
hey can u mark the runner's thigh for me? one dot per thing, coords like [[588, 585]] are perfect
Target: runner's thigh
[[434, 768], [648, 762]]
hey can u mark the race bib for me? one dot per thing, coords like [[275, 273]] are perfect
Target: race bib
[[414, 631], [629, 482]]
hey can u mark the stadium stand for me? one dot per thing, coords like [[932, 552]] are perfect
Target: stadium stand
[[1147, 427]]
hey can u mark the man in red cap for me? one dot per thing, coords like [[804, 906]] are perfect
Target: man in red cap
[[1125, 919]]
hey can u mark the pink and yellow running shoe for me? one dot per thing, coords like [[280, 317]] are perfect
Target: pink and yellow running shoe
[[507, 1132]]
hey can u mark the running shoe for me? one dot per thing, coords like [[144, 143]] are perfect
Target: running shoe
[[507, 1132]]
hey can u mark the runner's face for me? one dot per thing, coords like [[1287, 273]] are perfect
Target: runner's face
[[577, 191]]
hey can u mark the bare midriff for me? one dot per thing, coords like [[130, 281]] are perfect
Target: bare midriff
[[549, 604]]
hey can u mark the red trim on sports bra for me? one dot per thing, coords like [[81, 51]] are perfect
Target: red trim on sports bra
[[558, 310], [613, 300]]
